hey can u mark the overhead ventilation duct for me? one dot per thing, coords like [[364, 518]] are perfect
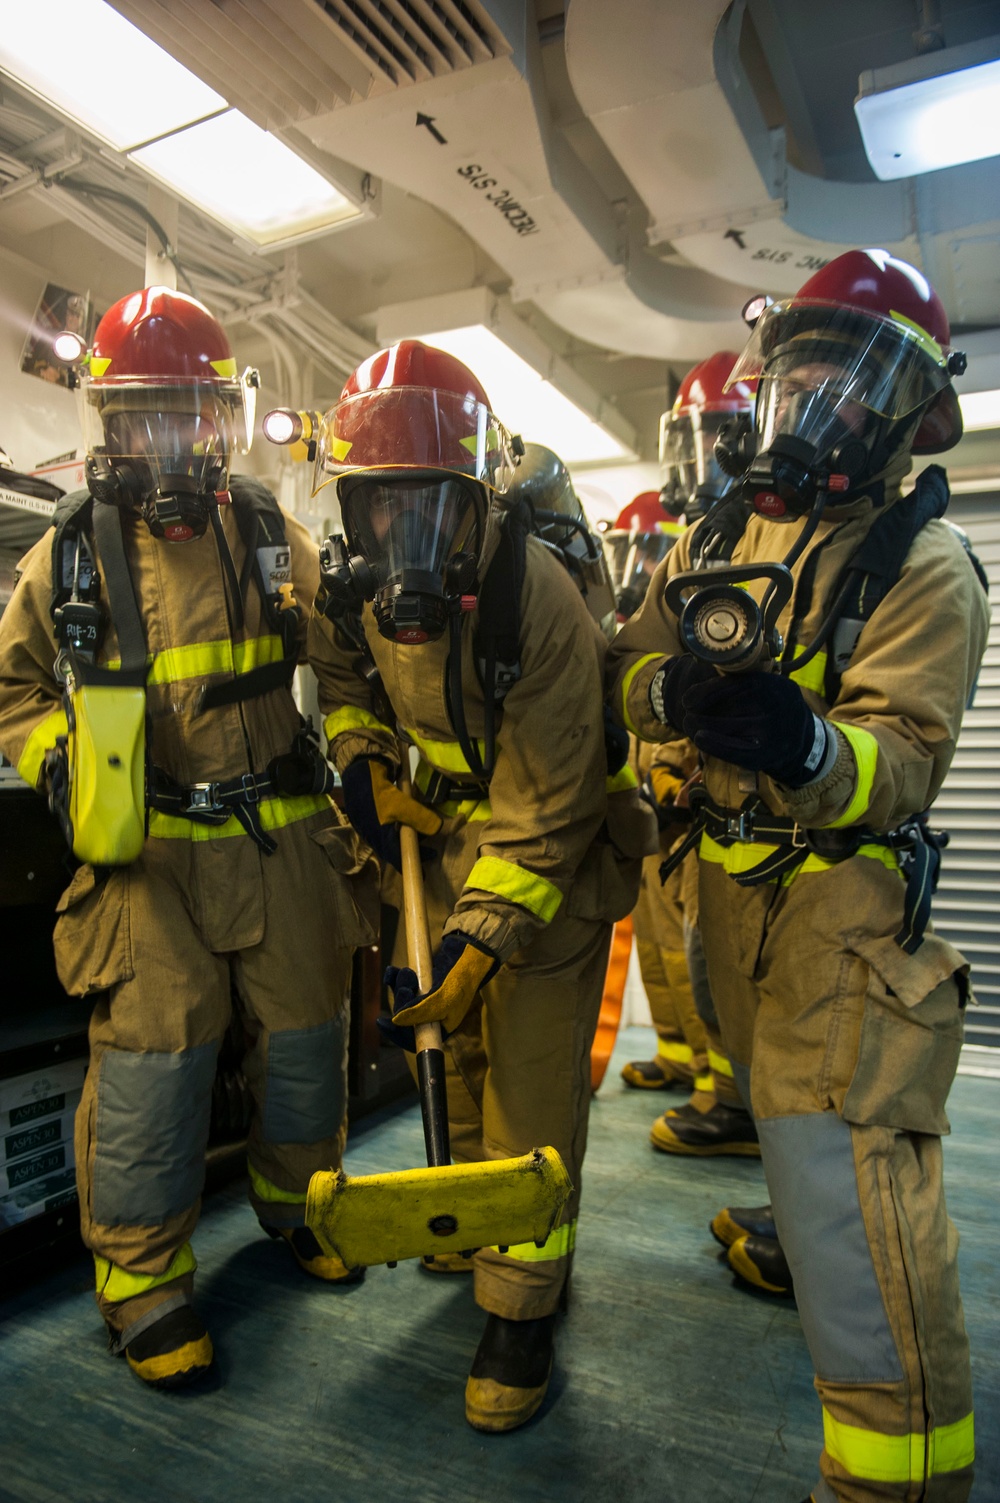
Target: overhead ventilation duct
[[446, 99], [665, 85]]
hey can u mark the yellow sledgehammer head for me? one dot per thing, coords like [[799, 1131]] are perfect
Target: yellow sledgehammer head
[[413, 1213]]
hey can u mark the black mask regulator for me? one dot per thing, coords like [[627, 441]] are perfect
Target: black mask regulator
[[410, 609], [177, 510]]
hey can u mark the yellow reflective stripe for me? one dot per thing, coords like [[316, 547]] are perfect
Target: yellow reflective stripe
[[650, 657], [865, 748], [41, 740], [558, 1244], [743, 857], [899, 1458], [472, 810], [117, 1284], [446, 756], [350, 718], [719, 1063], [264, 1190], [507, 880], [740, 857], [813, 675], [201, 659], [814, 863], [622, 780], [704, 1083], [682, 1054], [952, 1447], [274, 813]]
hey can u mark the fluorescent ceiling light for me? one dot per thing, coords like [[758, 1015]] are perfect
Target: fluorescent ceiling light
[[525, 402], [980, 409], [93, 65], [937, 110], [247, 178], [90, 62]]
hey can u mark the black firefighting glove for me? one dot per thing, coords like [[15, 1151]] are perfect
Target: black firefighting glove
[[670, 684], [460, 967], [761, 722], [376, 808]]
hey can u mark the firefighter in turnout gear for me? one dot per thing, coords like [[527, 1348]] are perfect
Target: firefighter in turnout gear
[[482, 649], [714, 1121], [148, 653], [842, 1010]]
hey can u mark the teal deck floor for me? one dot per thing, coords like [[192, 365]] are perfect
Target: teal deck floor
[[671, 1385]]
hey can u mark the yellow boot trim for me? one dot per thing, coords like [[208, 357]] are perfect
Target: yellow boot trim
[[116, 1284], [899, 1458], [495, 1408], [193, 1356], [661, 1137], [741, 1263], [264, 1190], [725, 1230], [326, 1266]]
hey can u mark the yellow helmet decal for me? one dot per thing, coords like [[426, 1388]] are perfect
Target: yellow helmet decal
[[928, 344], [225, 368], [99, 364], [339, 448]]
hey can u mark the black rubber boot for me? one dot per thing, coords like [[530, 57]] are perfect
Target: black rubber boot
[[311, 1258], [721, 1130], [649, 1075], [510, 1373], [734, 1222], [760, 1261], [172, 1352]]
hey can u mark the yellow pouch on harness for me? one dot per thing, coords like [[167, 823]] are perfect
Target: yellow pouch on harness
[[107, 773]]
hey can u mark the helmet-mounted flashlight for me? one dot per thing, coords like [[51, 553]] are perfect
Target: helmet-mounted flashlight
[[297, 430]]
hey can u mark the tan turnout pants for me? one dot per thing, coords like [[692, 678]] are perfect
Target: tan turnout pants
[[848, 1047], [167, 987], [518, 1069]]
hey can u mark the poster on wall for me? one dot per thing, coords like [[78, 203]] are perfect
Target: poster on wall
[[58, 308]]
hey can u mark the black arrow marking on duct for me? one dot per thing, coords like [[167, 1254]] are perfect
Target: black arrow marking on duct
[[428, 120], [736, 235]]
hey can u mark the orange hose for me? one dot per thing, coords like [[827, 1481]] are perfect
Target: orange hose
[[610, 1015]]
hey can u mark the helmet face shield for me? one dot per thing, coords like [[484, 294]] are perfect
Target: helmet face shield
[[402, 524], [168, 432], [857, 361], [424, 428]]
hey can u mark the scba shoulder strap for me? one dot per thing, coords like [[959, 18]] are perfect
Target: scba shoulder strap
[[80, 521], [269, 559], [878, 563]]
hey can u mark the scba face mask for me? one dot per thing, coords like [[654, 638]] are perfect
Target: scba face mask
[[165, 453], [414, 540], [840, 392]]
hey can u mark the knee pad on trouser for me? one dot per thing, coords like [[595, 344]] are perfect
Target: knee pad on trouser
[[301, 1097], [151, 1133]]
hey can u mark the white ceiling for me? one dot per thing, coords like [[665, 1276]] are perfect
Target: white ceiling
[[641, 167]]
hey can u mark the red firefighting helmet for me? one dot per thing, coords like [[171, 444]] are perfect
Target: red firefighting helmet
[[888, 317], [415, 407]]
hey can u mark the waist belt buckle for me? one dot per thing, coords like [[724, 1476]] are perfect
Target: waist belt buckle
[[202, 798], [740, 826]]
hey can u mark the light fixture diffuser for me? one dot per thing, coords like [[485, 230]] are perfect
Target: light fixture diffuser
[[980, 409], [95, 66], [84, 59], [247, 178], [525, 402], [938, 110]]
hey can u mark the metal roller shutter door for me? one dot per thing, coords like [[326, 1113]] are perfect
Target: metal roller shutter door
[[967, 903]]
